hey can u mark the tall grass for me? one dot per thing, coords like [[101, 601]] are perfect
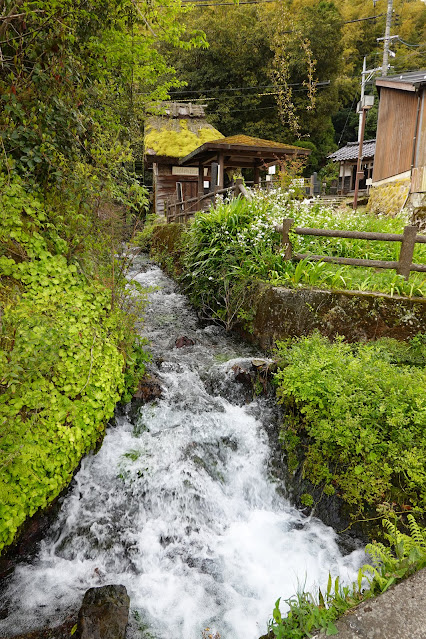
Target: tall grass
[[238, 239]]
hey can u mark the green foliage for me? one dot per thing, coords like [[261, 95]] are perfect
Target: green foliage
[[405, 555], [75, 79], [220, 249], [308, 613], [142, 238], [358, 417], [238, 240], [67, 353]]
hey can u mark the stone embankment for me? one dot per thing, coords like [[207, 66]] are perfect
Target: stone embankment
[[399, 613]]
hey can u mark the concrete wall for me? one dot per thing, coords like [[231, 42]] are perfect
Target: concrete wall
[[281, 313]]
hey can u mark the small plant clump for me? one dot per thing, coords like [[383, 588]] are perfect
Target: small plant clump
[[308, 612]]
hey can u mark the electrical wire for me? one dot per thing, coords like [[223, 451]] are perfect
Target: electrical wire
[[407, 44], [254, 86], [347, 118], [254, 95]]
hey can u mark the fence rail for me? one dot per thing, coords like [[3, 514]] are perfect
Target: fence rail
[[181, 211], [409, 238]]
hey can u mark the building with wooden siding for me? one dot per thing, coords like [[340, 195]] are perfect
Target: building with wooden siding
[[171, 133], [190, 158], [401, 130]]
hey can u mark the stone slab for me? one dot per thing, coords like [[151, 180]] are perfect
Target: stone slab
[[399, 613]]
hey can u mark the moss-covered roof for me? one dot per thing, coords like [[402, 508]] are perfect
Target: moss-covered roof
[[176, 137], [247, 140]]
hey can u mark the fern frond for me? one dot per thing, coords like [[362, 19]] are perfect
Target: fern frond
[[417, 532], [379, 553]]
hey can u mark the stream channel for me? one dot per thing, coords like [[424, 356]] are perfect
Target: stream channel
[[181, 506]]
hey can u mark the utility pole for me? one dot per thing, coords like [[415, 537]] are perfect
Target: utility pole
[[364, 69], [387, 39], [359, 171]]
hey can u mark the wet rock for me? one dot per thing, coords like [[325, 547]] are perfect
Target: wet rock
[[104, 613], [184, 341], [242, 375], [260, 363], [149, 388]]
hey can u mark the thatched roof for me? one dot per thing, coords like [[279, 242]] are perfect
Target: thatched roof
[[178, 130]]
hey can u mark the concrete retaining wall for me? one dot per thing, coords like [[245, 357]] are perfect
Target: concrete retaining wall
[[281, 313]]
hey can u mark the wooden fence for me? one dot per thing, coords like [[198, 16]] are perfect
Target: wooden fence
[[403, 266], [181, 211]]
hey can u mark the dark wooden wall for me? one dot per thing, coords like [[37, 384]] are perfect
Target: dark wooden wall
[[395, 133], [165, 186]]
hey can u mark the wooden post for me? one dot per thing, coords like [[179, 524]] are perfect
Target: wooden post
[[359, 172], [221, 172], [287, 224], [407, 249], [256, 175], [200, 179], [166, 210]]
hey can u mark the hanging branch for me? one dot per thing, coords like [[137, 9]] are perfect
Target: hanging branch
[[289, 33]]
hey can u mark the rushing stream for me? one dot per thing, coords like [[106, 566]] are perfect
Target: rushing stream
[[180, 506]]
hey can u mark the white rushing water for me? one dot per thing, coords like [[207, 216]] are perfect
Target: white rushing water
[[178, 506]]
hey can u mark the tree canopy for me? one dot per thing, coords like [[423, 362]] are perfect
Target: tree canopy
[[291, 70]]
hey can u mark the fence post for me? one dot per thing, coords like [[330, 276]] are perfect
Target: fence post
[[166, 210], [407, 249], [287, 224]]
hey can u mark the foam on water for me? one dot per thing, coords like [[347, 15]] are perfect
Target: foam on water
[[179, 506]]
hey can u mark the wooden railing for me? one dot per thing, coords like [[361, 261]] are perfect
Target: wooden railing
[[403, 266], [181, 211]]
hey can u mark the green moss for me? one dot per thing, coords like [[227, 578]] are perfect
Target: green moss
[[177, 139]]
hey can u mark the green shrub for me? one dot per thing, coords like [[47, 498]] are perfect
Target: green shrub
[[67, 355], [358, 419]]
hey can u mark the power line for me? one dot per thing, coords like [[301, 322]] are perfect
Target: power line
[[254, 86], [254, 95], [407, 44]]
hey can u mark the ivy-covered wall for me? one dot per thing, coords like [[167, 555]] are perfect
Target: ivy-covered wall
[[388, 199]]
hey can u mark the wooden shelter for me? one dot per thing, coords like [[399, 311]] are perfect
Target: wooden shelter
[[401, 130], [189, 157], [238, 152]]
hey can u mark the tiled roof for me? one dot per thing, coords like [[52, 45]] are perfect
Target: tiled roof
[[350, 151]]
